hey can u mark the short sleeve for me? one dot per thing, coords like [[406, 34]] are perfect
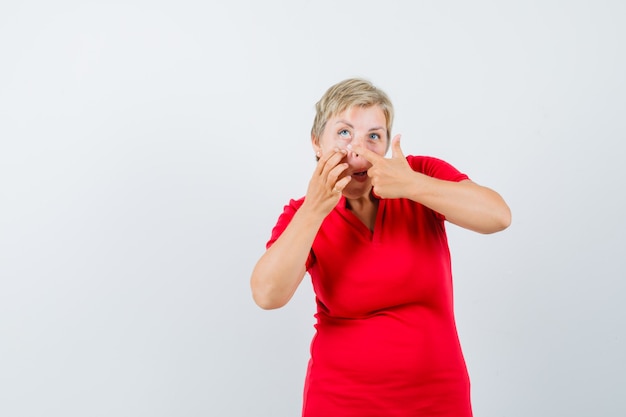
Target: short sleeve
[[283, 221], [435, 168]]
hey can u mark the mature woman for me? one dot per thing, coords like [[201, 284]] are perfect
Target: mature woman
[[370, 232]]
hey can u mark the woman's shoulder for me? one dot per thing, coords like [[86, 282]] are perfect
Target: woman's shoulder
[[290, 208], [435, 167], [294, 204], [424, 160]]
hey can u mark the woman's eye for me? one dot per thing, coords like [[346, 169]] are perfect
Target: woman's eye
[[374, 136], [344, 133]]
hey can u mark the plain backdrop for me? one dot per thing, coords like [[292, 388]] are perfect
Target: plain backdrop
[[148, 147]]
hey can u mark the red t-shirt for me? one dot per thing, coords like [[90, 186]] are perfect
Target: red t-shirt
[[386, 342]]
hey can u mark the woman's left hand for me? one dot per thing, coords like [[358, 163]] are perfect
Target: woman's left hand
[[463, 203], [391, 177]]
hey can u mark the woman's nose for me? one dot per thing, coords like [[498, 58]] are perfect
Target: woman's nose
[[352, 156], [356, 141]]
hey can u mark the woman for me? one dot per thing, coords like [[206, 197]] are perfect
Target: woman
[[370, 232]]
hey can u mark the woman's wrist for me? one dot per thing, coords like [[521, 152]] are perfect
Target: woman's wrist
[[415, 185]]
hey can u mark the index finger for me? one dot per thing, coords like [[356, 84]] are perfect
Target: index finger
[[324, 159], [370, 156]]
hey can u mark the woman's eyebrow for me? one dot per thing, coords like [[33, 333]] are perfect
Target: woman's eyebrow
[[343, 122]]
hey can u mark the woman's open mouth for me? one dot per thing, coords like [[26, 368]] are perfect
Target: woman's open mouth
[[360, 176]]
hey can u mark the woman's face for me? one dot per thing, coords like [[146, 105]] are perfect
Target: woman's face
[[366, 126]]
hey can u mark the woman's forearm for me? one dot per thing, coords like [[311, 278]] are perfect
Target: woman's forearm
[[280, 270], [464, 203]]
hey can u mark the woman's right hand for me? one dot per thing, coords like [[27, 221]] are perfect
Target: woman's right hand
[[326, 184], [280, 270]]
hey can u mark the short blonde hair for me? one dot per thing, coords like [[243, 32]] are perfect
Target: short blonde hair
[[346, 94]]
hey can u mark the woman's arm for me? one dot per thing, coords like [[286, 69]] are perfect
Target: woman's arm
[[463, 203], [280, 270]]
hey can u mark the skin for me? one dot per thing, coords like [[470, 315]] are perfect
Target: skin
[[354, 142], [360, 127]]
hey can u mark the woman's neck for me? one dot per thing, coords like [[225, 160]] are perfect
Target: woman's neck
[[364, 208]]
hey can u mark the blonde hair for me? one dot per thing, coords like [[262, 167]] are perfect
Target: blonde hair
[[346, 94]]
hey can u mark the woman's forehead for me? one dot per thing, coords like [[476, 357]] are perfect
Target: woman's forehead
[[373, 114]]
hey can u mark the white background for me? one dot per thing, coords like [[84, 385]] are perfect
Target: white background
[[147, 148]]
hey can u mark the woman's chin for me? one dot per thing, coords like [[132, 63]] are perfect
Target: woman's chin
[[356, 189]]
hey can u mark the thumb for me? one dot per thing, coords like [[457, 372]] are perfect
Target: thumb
[[396, 151]]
